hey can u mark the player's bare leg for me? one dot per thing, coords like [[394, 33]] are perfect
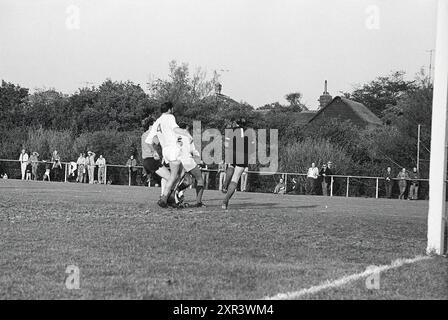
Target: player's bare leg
[[197, 174], [229, 174], [238, 171], [162, 185], [174, 171], [164, 173]]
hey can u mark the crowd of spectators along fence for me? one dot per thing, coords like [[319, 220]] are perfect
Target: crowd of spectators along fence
[[341, 185]]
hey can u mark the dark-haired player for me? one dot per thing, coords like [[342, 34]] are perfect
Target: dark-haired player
[[167, 132], [239, 160], [151, 154]]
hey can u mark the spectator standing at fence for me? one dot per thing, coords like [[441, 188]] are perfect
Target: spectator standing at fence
[[413, 187], [243, 186], [101, 163], [388, 182], [325, 173], [72, 168], [34, 164], [90, 163], [222, 175], [23, 158], [205, 175], [280, 188], [132, 169], [57, 166], [48, 166], [81, 171], [403, 176], [311, 178], [28, 171]]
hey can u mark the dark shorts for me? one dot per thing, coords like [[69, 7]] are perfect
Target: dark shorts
[[151, 164]]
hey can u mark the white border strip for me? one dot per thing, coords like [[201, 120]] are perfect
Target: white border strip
[[344, 280]]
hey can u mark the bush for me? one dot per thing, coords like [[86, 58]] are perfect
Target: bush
[[46, 141], [297, 157]]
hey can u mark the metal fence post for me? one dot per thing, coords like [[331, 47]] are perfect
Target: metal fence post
[[331, 186], [129, 176], [376, 190], [105, 174], [348, 183], [65, 172]]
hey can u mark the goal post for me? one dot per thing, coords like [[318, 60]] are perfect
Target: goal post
[[437, 170]]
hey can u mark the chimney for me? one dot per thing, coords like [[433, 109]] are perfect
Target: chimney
[[325, 98], [218, 88]]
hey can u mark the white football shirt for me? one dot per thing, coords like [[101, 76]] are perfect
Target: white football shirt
[[163, 128]]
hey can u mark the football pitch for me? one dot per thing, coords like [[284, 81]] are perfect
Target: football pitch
[[126, 247]]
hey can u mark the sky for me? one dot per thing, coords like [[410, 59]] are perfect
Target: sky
[[265, 48]]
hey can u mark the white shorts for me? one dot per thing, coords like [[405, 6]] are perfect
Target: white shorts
[[188, 163], [171, 153]]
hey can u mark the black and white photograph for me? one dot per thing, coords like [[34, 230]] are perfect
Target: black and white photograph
[[222, 155]]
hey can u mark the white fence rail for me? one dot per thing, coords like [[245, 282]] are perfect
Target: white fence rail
[[340, 185]]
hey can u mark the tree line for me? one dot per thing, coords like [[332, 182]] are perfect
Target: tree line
[[107, 120]]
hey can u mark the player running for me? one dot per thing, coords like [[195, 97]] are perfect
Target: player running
[[167, 132], [240, 161]]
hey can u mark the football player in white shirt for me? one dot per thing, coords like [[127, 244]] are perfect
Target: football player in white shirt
[[189, 157], [151, 156], [167, 132]]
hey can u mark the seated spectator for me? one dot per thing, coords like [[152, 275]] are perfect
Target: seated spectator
[[280, 188], [295, 186], [4, 176]]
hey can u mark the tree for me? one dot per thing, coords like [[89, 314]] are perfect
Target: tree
[[113, 105], [13, 100], [295, 103], [397, 141], [378, 94], [181, 89], [49, 109]]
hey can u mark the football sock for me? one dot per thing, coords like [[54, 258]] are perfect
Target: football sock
[[199, 193]]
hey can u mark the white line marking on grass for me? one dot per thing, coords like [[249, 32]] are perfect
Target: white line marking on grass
[[344, 280]]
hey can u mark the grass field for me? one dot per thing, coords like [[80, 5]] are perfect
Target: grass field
[[128, 248]]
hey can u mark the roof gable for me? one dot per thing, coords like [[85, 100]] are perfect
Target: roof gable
[[359, 109]]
